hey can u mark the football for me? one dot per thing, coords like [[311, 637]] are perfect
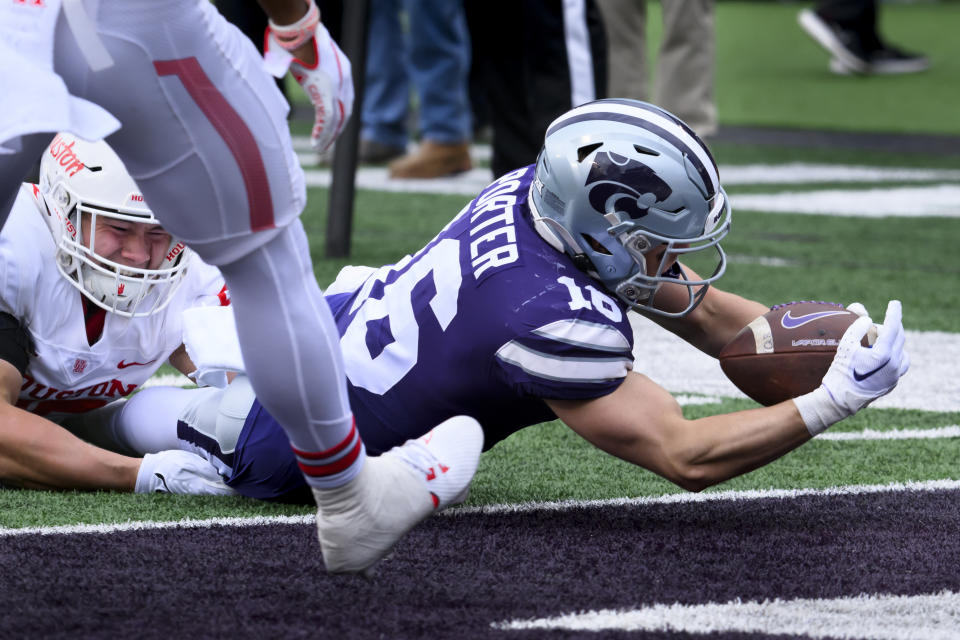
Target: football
[[786, 352]]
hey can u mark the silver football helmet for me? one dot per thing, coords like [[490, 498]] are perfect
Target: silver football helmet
[[81, 181], [618, 179]]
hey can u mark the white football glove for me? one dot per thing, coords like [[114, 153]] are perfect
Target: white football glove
[[858, 375], [857, 308], [177, 471], [328, 83]]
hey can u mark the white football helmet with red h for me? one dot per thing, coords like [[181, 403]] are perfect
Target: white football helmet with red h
[[78, 178]]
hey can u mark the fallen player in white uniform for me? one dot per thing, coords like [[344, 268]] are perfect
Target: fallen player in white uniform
[[92, 291]]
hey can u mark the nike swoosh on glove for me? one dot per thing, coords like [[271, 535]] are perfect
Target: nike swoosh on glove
[[328, 84], [176, 471], [858, 375]]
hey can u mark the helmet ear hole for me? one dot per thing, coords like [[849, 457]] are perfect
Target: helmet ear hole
[[596, 246], [586, 150], [645, 150]]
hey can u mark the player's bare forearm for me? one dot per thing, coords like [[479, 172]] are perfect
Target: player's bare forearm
[[38, 454], [287, 12], [714, 322], [720, 447], [181, 361], [642, 423], [721, 316]]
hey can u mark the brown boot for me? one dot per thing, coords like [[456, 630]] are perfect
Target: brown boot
[[432, 160]]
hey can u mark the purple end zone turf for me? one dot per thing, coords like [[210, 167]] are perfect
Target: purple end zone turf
[[453, 576]]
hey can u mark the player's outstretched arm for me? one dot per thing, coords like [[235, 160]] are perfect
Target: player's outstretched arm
[[38, 454], [642, 423], [713, 323], [297, 38]]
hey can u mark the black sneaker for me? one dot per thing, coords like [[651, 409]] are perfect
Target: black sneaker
[[893, 60], [845, 45], [887, 60]]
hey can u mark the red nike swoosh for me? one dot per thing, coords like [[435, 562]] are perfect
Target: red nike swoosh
[[124, 365]]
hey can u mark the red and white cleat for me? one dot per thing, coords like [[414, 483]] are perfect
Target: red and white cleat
[[359, 523]]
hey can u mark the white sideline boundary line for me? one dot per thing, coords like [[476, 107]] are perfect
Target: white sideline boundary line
[[714, 496], [526, 507], [151, 525]]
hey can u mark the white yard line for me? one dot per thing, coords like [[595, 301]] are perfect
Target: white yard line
[[804, 173], [737, 174], [942, 201], [952, 431], [877, 617], [938, 200], [564, 505], [150, 525], [167, 380]]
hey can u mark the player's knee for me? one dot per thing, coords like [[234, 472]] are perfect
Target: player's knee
[[232, 413]]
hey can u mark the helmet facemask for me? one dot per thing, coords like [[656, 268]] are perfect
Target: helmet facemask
[[639, 290], [75, 203]]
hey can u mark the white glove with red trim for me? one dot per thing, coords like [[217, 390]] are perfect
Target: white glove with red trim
[[177, 471], [328, 83], [858, 375]]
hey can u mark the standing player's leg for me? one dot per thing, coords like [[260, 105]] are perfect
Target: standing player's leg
[[205, 136]]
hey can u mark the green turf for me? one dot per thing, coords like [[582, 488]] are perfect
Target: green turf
[[832, 258], [768, 74], [550, 462]]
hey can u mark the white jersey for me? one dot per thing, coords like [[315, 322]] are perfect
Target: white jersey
[[65, 373]]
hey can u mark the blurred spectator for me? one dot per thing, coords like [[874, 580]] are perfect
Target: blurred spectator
[[535, 60], [685, 64], [432, 52], [847, 29]]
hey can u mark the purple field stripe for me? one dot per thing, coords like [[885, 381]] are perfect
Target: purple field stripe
[[455, 576]]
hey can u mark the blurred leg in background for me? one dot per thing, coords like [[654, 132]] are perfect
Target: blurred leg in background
[[423, 44], [847, 29], [685, 72]]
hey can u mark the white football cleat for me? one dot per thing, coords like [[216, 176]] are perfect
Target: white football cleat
[[358, 523]]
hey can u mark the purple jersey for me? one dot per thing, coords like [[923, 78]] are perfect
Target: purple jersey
[[486, 320]]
